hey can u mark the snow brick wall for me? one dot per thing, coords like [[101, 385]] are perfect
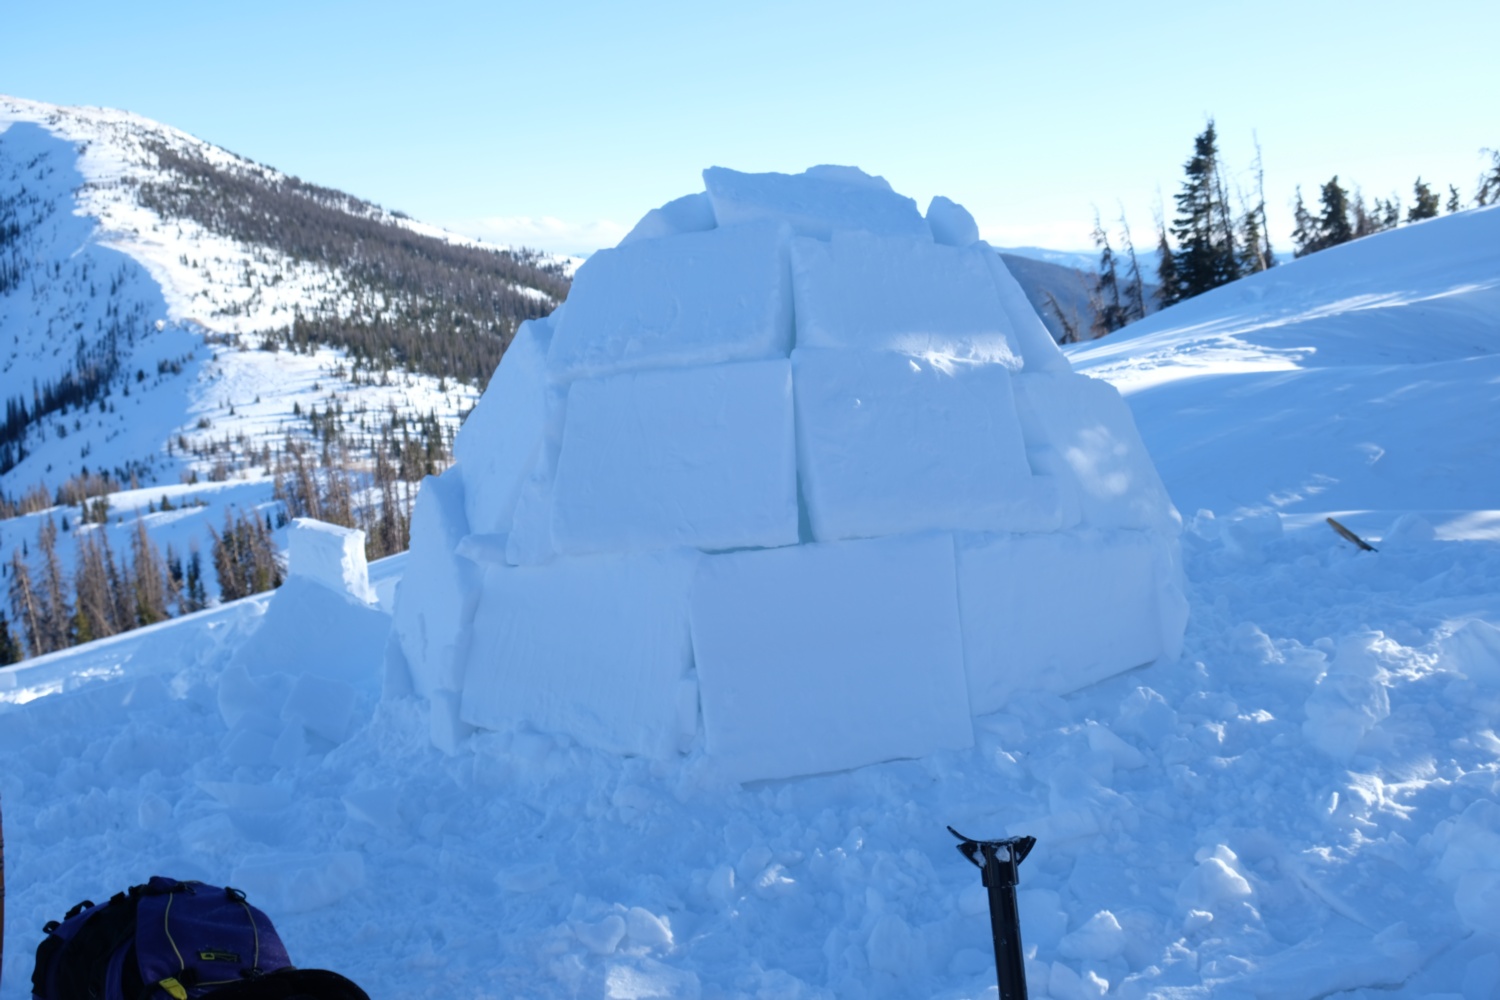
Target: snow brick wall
[[795, 478]]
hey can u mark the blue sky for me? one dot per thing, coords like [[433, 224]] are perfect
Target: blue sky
[[560, 124]]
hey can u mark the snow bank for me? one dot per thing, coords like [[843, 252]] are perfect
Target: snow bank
[[802, 387]]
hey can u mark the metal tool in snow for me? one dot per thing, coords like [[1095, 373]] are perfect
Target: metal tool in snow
[[1000, 868], [1348, 535]]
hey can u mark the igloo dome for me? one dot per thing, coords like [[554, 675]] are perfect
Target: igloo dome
[[796, 479]]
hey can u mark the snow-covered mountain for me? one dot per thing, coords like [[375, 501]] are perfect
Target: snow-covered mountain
[[1303, 806], [168, 308]]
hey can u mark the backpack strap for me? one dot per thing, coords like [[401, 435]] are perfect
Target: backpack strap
[[77, 966]]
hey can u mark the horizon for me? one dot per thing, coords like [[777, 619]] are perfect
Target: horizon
[[489, 122]]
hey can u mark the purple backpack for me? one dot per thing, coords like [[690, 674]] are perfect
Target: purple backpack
[[154, 941]]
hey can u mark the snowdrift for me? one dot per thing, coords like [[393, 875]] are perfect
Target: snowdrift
[[795, 475]]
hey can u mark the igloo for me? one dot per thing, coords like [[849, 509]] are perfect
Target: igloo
[[795, 479]]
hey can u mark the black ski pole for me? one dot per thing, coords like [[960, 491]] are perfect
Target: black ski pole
[[1000, 877]]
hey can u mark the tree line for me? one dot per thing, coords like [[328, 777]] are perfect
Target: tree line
[[1219, 233]]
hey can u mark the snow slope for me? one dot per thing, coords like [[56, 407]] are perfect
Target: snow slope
[[1304, 806]]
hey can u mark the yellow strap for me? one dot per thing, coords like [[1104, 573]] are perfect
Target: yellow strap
[[173, 987]]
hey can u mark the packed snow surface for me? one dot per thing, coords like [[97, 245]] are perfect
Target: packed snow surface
[[1304, 805]]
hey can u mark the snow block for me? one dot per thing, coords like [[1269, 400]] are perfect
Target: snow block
[[951, 223], [825, 657], [309, 629], [593, 648], [330, 556], [1055, 612], [888, 444], [321, 706], [438, 590], [1039, 351], [299, 883], [700, 457], [529, 542], [498, 442], [696, 299], [1086, 425], [692, 213], [818, 203], [876, 293]]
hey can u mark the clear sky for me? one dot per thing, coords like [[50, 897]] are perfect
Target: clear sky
[[559, 124]]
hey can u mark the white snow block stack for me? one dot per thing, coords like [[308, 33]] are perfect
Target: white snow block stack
[[596, 648], [888, 443], [700, 457], [951, 223], [818, 658], [873, 293], [323, 621], [1080, 429], [818, 203], [1056, 612], [330, 556], [691, 213], [435, 603], [498, 442], [697, 299]]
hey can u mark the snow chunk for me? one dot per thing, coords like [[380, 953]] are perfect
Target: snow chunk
[[951, 223], [309, 629], [1100, 939], [529, 542], [498, 442], [436, 596], [889, 444], [1081, 429], [322, 706], [697, 299], [591, 647], [825, 657], [700, 457], [874, 293], [692, 213], [1473, 650], [818, 203], [1349, 700], [1024, 595], [330, 556], [299, 883]]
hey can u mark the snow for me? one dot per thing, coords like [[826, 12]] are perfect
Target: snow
[[951, 223], [594, 648], [330, 556], [436, 607], [698, 457], [818, 203], [865, 291], [696, 299], [888, 443], [692, 213], [852, 655], [1196, 837]]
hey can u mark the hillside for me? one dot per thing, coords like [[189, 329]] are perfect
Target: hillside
[[180, 325], [1303, 806], [231, 299]]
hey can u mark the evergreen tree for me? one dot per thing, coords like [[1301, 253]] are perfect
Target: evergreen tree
[[1455, 201], [1135, 287], [1104, 297], [1204, 228], [147, 576], [1169, 283], [1305, 232], [1489, 182], [10, 649], [56, 615], [26, 606], [1426, 206], [93, 604], [1333, 223]]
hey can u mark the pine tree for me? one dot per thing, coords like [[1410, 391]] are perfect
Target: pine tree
[[1455, 201], [1488, 191], [93, 604], [10, 649], [1426, 206], [1333, 223], [56, 615], [1104, 296], [1204, 228], [26, 606], [1135, 287], [1305, 232], [147, 576], [1168, 282]]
